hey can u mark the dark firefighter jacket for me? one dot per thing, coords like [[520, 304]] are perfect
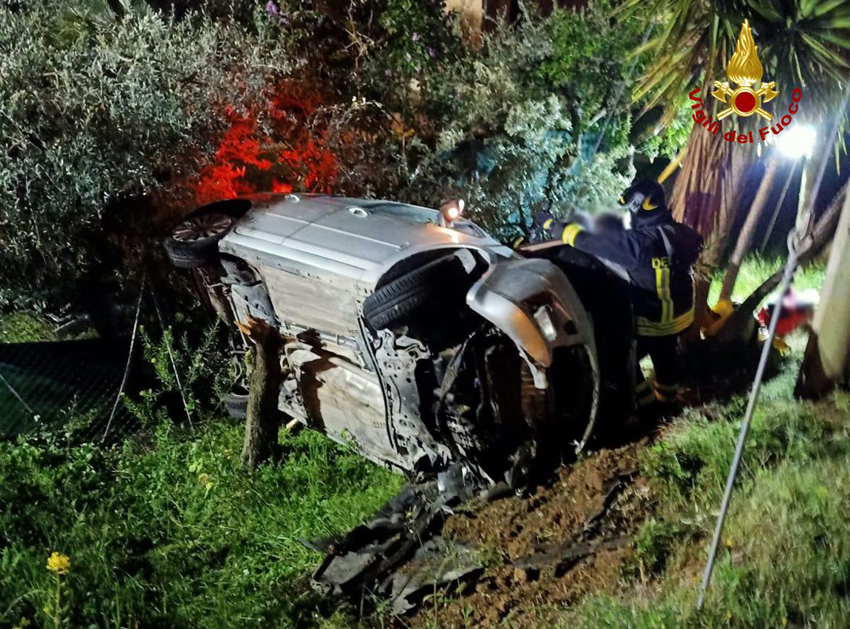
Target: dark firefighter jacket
[[658, 254]]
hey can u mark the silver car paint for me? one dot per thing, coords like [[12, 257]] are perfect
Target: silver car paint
[[330, 238], [353, 238], [348, 245], [501, 297]]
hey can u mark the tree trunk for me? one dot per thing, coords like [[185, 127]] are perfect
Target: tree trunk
[[828, 352], [748, 231], [704, 197], [263, 417], [809, 167]]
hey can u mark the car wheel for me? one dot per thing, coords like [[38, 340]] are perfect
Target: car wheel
[[194, 242], [236, 402], [563, 414], [438, 284]]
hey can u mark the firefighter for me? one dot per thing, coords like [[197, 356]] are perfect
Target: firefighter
[[658, 255]]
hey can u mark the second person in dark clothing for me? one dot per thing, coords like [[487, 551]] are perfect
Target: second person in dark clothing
[[658, 255]]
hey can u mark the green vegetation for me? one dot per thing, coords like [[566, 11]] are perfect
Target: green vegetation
[[24, 327], [95, 109], [388, 99], [170, 531], [756, 269], [785, 559]]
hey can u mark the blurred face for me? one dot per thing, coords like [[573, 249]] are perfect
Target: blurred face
[[634, 203]]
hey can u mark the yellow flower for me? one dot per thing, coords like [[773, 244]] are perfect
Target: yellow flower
[[204, 479], [58, 563]]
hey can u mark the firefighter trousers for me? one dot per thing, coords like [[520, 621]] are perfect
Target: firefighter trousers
[[664, 352]]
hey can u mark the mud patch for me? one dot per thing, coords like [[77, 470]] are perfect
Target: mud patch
[[545, 551]]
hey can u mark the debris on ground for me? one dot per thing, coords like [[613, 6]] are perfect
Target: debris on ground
[[551, 548], [462, 554]]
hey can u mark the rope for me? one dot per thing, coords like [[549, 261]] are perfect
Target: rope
[[171, 359], [129, 361]]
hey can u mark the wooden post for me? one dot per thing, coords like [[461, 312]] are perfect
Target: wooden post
[[827, 355], [263, 418]]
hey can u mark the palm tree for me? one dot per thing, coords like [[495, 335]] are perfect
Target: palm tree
[[801, 43]]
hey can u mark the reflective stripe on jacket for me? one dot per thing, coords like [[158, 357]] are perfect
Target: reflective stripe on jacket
[[658, 255]]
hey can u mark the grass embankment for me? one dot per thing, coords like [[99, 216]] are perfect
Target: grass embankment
[[173, 533], [785, 558]]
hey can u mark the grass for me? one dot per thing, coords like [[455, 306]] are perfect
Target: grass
[[25, 327], [756, 269], [785, 556], [174, 533]]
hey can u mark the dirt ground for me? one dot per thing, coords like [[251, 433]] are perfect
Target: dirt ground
[[546, 550]]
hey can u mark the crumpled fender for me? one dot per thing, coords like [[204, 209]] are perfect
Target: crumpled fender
[[533, 302]]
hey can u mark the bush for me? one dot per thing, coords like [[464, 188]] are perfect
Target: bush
[[193, 376], [527, 116], [133, 111], [97, 109]]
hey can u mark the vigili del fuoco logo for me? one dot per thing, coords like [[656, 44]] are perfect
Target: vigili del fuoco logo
[[742, 97]]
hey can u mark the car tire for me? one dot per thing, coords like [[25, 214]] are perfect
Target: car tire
[[442, 282], [236, 402], [193, 243]]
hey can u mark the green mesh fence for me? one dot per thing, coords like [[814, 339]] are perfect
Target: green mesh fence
[[47, 382]]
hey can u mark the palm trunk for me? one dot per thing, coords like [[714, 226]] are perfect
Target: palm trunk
[[748, 231], [808, 177], [741, 324], [704, 197], [828, 352]]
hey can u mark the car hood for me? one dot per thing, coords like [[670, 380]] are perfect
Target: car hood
[[357, 238]]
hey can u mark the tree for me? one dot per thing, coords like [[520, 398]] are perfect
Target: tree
[[748, 231], [801, 43], [828, 351], [99, 111]]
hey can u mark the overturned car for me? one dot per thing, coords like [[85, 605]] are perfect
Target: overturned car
[[413, 334]]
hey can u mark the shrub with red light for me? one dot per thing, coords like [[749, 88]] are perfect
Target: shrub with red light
[[281, 155]]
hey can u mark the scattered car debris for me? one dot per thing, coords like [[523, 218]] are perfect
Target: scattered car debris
[[405, 532], [403, 556]]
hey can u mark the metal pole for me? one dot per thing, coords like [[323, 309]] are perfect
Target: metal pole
[[790, 268]]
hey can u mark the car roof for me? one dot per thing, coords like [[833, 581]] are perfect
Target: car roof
[[357, 238]]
